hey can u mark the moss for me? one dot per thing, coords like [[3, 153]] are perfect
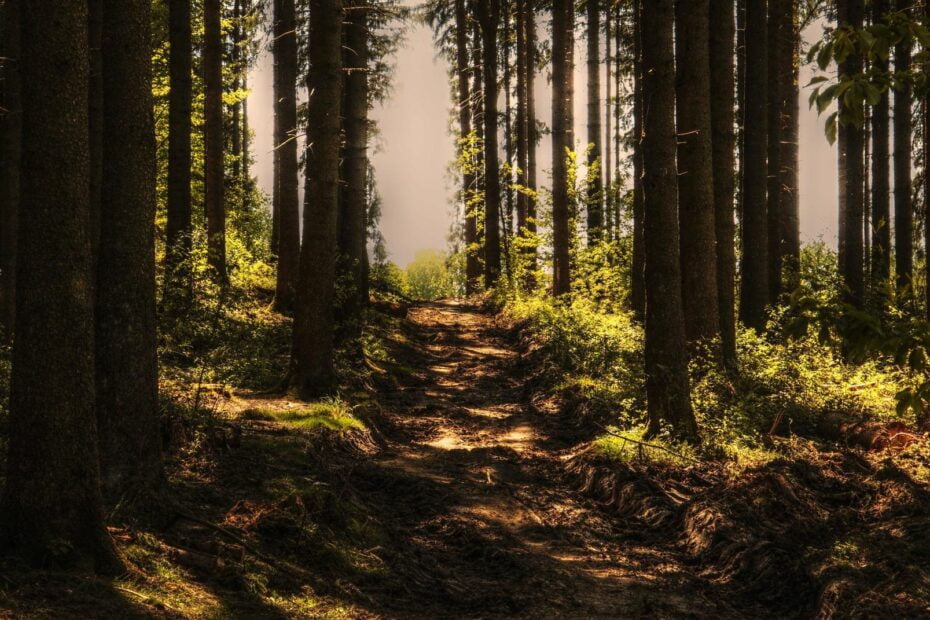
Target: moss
[[333, 415]]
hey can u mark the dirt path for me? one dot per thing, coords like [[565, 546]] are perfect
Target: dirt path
[[471, 494]]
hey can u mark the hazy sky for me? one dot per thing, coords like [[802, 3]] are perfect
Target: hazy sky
[[415, 147]]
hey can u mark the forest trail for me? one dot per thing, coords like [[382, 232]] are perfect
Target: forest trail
[[472, 494]]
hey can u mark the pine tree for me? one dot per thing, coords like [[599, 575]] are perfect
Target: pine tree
[[127, 364], [595, 197], [754, 289], [667, 383], [52, 510], [696, 173], [353, 212], [903, 185], [466, 111], [638, 266], [10, 155], [881, 182], [315, 320], [214, 146], [722, 84], [488, 19], [563, 42], [178, 280]]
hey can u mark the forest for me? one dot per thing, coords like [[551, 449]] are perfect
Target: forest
[[630, 387]]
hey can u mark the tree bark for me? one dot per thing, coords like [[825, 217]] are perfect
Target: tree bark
[[563, 140], [353, 217], [754, 291], [609, 222], [532, 139], [722, 84], [854, 198], [286, 182], [638, 266], [178, 279], [595, 197], [522, 130], [463, 69], [903, 211], [127, 365], [315, 321], [695, 171], [881, 182], [488, 14], [214, 167], [95, 119], [52, 510], [790, 161], [11, 130], [667, 382]]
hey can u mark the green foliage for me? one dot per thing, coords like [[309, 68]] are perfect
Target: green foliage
[[334, 415], [871, 43], [429, 276]]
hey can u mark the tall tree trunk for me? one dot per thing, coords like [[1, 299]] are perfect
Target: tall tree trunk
[[668, 390], [532, 138], [776, 9], [353, 215], [315, 321], [563, 140], [903, 185], [881, 182], [852, 269], [509, 152], [722, 86], [638, 268], [741, 105], [95, 119], [696, 172], [286, 181], [11, 136], [488, 14], [522, 130], [478, 117], [472, 264], [214, 199], [178, 279], [926, 171], [618, 111], [609, 224], [595, 151], [754, 291], [790, 161], [127, 364], [235, 58], [52, 510]]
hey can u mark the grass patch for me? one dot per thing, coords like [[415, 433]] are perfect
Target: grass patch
[[332, 415]]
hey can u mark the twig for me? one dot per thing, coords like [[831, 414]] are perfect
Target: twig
[[644, 444]]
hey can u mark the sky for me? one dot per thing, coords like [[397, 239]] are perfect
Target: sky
[[415, 146]]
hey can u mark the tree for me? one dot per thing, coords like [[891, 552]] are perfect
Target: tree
[[315, 320], [214, 166], [852, 147], [881, 183], [52, 510], [754, 289], [10, 154], [668, 388], [926, 153], [610, 221], [488, 18], [353, 213], [783, 60], [696, 172], [95, 118], [563, 140], [903, 185], [595, 197], [723, 138], [127, 364], [522, 124], [286, 185], [532, 136], [178, 230], [638, 266], [466, 110]]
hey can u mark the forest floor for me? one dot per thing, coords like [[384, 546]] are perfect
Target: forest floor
[[457, 487]]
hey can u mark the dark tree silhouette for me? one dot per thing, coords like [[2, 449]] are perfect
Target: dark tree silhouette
[[667, 383], [51, 508], [10, 154], [214, 167], [488, 19], [596, 152], [563, 139]]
